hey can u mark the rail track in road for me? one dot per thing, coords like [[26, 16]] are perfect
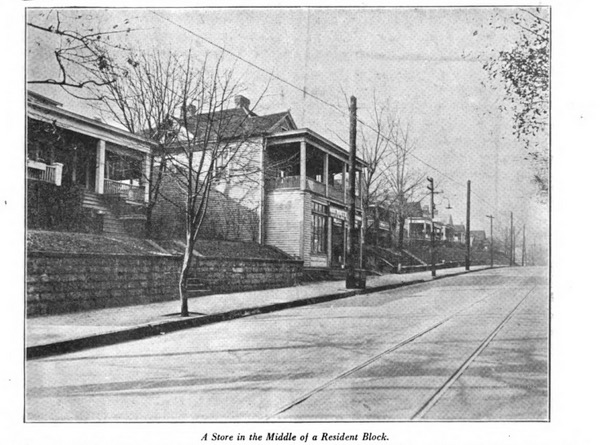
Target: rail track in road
[[430, 401]]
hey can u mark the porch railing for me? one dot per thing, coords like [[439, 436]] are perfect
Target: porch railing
[[316, 187], [335, 191], [39, 171], [288, 182], [130, 192]]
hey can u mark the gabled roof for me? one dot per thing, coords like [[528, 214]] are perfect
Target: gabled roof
[[239, 122], [478, 234], [459, 228], [413, 210]]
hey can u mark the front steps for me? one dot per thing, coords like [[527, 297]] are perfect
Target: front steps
[[112, 224]]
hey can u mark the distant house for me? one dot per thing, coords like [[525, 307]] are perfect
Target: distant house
[[459, 231], [381, 223], [83, 174], [297, 192], [419, 223], [478, 238]]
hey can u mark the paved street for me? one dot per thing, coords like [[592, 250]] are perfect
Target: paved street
[[468, 347]]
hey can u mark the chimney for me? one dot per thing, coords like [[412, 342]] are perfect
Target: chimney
[[242, 102]]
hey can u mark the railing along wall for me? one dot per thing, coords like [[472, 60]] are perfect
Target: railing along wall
[[128, 191]]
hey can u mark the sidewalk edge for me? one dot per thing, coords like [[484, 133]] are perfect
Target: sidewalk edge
[[164, 327]]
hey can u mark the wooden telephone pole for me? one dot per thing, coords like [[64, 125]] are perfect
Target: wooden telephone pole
[[467, 266], [522, 262], [490, 236], [352, 280], [511, 239]]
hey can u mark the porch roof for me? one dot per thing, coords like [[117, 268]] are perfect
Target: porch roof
[[315, 139], [85, 125]]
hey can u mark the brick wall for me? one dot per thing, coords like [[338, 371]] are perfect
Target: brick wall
[[59, 283]]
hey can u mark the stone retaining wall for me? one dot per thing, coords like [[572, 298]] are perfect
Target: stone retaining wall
[[59, 283]]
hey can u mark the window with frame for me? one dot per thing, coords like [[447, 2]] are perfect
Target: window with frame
[[222, 165], [319, 231]]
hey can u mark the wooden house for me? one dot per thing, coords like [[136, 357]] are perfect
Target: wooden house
[[298, 188], [83, 174]]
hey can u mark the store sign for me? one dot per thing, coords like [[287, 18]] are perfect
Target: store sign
[[338, 213]]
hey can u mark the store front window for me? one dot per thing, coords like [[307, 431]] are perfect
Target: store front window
[[319, 232]]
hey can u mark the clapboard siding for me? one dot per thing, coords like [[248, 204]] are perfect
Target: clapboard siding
[[284, 212], [307, 205]]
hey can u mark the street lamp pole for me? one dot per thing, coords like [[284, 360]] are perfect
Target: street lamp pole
[[431, 188]]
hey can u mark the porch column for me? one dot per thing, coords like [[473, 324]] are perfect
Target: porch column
[[146, 178], [325, 172], [329, 242], [345, 183], [303, 167], [100, 167]]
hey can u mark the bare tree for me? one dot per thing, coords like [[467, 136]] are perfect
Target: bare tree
[[212, 146], [374, 146], [145, 98], [77, 47], [401, 180]]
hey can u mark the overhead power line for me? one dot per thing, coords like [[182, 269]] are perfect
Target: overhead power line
[[315, 97]]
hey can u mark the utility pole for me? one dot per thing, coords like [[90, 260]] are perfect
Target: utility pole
[[511, 239], [351, 281], [522, 262], [431, 188], [468, 225], [490, 236]]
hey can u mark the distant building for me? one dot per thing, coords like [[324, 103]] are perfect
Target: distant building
[[459, 233], [420, 224], [381, 224], [478, 238]]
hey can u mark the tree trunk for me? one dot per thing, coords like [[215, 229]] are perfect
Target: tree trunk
[[184, 274], [399, 232], [376, 227], [401, 224]]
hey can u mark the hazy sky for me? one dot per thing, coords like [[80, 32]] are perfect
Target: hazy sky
[[421, 62]]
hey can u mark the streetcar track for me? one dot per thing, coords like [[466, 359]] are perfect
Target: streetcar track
[[432, 401], [373, 359]]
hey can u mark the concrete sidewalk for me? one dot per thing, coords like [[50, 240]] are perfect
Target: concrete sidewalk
[[59, 334]]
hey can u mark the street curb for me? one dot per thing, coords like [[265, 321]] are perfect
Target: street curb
[[164, 327]]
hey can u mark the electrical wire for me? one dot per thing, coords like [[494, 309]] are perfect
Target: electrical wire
[[319, 99]]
